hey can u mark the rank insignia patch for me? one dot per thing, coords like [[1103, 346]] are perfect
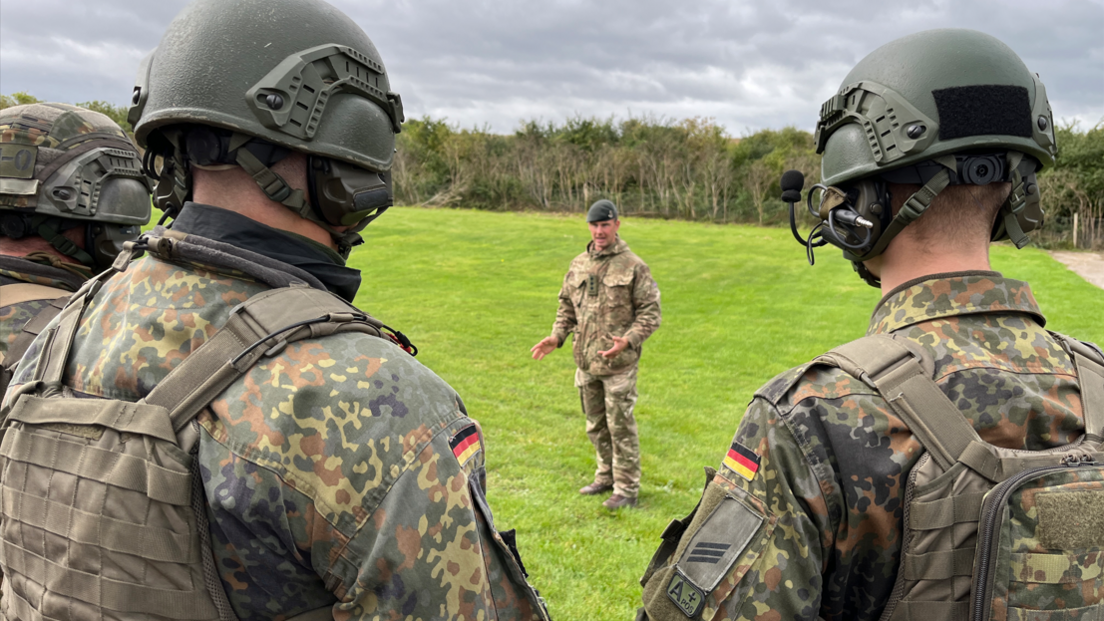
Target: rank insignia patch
[[465, 443], [742, 460], [686, 596], [708, 552]]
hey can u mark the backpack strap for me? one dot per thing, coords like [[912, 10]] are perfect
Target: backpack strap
[[58, 340], [17, 293], [261, 326], [902, 375], [1090, 377], [33, 328], [27, 292]]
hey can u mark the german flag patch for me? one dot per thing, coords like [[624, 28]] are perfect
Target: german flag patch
[[465, 443], [742, 460]]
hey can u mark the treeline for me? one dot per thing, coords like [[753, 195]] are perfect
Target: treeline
[[1073, 191], [690, 169]]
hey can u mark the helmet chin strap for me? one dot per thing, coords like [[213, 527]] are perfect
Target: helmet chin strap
[[44, 227], [277, 189], [913, 207], [910, 211], [1015, 203]]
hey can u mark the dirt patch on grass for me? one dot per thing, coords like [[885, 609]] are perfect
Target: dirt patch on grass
[[1088, 265]]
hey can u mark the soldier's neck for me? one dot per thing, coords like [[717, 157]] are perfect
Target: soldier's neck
[[913, 260], [32, 244], [235, 190]]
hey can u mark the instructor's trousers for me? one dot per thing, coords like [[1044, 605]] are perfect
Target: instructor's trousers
[[608, 402]]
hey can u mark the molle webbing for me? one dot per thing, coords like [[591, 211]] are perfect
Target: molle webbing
[[64, 460], [948, 488]]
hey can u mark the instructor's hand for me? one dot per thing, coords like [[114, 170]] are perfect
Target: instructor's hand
[[547, 345], [619, 344]]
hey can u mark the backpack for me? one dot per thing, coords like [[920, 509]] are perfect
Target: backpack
[[990, 533], [104, 509]]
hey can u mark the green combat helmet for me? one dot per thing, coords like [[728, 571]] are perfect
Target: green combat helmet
[[228, 87], [935, 108], [62, 166]]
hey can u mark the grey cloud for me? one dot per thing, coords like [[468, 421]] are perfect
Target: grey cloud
[[748, 64]]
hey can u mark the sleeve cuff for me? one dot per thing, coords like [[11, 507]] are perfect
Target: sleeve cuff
[[634, 339]]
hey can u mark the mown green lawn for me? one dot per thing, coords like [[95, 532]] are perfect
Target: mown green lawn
[[475, 290]]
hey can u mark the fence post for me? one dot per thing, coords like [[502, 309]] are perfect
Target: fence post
[[1075, 229]]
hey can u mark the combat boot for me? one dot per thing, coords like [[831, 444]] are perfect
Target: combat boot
[[618, 501], [595, 488]]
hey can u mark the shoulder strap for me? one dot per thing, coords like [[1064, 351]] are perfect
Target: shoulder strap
[[31, 329], [1090, 377], [26, 336], [59, 339], [261, 326], [903, 376], [20, 292]]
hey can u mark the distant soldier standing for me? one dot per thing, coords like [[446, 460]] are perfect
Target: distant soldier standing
[[611, 303]]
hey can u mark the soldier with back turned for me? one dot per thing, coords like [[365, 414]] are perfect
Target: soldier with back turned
[[855, 485], [308, 466]]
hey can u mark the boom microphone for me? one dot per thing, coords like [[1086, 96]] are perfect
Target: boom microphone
[[792, 182]]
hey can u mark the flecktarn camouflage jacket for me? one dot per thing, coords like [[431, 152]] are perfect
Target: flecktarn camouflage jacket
[[14, 270], [816, 475], [607, 293], [338, 472]]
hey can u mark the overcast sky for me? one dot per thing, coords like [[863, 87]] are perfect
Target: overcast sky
[[749, 64]]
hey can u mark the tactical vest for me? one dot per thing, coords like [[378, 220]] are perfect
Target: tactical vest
[[103, 504], [18, 293], [990, 533]]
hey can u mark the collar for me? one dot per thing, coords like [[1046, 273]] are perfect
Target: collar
[[609, 251], [937, 296], [38, 269], [230, 227]]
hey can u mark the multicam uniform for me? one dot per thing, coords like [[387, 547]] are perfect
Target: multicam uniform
[[338, 472], [609, 293], [821, 462]]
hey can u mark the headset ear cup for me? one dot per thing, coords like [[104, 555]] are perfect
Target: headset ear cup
[[343, 194], [869, 199], [1022, 210]]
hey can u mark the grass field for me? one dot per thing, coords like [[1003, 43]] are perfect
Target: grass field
[[475, 290]]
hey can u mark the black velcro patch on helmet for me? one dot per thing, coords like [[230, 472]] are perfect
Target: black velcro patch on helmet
[[983, 110]]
